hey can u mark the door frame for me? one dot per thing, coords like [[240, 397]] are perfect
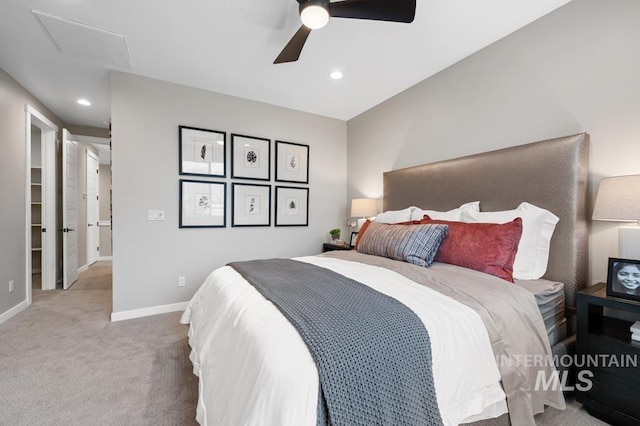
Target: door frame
[[92, 253], [49, 136]]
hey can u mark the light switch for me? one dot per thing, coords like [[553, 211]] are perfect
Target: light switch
[[156, 215]]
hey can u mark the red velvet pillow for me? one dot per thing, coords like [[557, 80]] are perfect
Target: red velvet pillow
[[485, 247], [366, 225]]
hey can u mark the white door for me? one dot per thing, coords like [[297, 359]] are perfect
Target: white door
[[92, 208], [70, 210]]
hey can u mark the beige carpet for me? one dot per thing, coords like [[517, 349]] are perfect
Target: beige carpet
[[63, 363]]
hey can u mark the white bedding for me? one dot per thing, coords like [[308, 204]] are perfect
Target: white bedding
[[255, 369]]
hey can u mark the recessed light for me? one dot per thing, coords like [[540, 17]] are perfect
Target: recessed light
[[336, 75], [247, 145], [220, 142], [84, 102]]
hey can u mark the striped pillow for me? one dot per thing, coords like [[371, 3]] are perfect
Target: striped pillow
[[417, 244]]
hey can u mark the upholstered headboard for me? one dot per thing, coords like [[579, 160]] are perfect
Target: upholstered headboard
[[551, 174]]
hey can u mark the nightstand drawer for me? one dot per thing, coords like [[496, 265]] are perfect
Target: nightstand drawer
[[613, 356], [330, 247], [615, 391]]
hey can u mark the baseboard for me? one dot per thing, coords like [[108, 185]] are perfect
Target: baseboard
[[83, 268], [105, 258], [146, 312], [15, 310]]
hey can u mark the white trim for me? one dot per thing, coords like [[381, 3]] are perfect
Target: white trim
[[27, 200], [102, 258], [14, 311], [83, 268], [49, 210], [145, 312], [91, 253], [35, 113], [49, 136]]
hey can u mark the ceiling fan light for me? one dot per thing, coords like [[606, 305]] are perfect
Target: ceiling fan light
[[314, 16]]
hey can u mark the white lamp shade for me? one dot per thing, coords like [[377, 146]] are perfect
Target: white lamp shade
[[618, 199], [364, 207]]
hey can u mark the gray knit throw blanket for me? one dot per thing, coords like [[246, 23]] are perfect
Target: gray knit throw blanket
[[373, 354]]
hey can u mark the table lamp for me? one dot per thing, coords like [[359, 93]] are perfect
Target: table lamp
[[363, 208], [618, 200]]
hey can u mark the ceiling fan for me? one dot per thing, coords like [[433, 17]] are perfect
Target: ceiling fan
[[315, 14]]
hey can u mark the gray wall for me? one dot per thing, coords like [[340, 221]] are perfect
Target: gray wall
[[12, 190], [573, 70], [88, 131], [148, 256]]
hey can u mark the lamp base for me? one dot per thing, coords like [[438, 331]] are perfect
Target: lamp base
[[629, 242]]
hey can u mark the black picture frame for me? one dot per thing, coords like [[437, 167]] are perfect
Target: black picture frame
[[292, 206], [629, 287], [354, 238], [292, 162], [251, 205], [202, 152], [250, 157], [203, 204]]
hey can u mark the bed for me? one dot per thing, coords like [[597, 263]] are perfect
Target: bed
[[254, 367]]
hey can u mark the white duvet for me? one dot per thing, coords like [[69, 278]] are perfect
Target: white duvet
[[255, 369]]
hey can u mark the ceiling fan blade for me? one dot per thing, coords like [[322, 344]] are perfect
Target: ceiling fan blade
[[377, 10], [291, 51]]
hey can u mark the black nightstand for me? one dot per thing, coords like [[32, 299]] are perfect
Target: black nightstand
[[614, 394], [331, 246]]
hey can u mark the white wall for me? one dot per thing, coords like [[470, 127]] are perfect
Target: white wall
[[148, 256], [573, 70]]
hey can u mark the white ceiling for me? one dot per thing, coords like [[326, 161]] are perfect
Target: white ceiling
[[228, 46]]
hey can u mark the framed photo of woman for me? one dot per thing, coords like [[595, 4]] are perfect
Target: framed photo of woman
[[623, 278]]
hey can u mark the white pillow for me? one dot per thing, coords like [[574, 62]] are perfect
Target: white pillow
[[395, 216], [537, 228], [451, 215]]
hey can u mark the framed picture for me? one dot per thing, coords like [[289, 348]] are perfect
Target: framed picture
[[292, 206], [292, 162], [354, 238], [202, 152], [202, 204], [251, 205], [623, 278], [250, 157]]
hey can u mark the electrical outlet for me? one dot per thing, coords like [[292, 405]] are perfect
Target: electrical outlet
[[11, 286], [181, 282]]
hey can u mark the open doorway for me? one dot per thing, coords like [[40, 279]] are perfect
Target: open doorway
[[95, 204], [40, 196]]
